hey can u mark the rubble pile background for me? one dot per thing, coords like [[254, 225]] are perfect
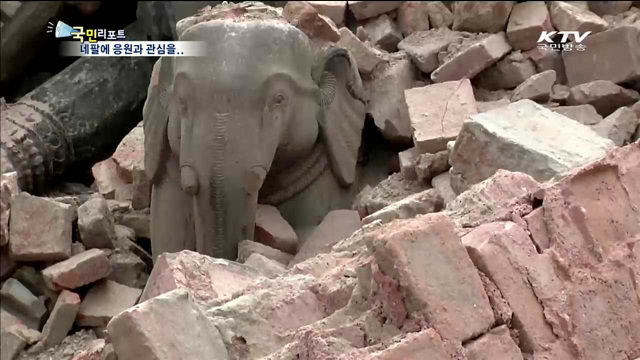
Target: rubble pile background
[[510, 230]]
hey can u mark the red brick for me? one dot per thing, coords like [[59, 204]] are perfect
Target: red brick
[[501, 250], [205, 277], [170, 326], [425, 256], [78, 270], [61, 319], [496, 344]]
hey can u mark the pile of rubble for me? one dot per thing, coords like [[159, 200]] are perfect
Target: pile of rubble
[[512, 230]]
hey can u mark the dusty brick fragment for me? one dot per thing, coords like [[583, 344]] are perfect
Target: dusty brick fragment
[[248, 247], [425, 202], [104, 301], [605, 96], [141, 331], [433, 239], [498, 250], [438, 111], [383, 33], [368, 9], [429, 166], [482, 16], [334, 10], [496, 344], [96, 224], [78, 270], [472, 60], [337, 225], [23, 300], [567, 17], [538, 229], [536, 88], [413, 16], [584, 114], [205, 277], [40, 229], [618, 127], [528, 19], [61, 319], [407, 161], [366, 57], [274, 231], [8, 187]]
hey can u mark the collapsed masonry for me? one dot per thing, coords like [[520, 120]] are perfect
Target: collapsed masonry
[[512, 230]]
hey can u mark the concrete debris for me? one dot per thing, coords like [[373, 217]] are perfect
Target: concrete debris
[[605, 96], [274, 231], [128, 269], [79, 270], [507, 73], [536, 88], [584, 114], [528, 19], [439, 15], [140, 332], [437, 112], [426, 202], [567, 17], [496, 344], [129, 156], [433, 239], [548, 60], [482, 16], [368, 9], [495, 198], [508, 228], [8, 187], [619, 127], [109, 183], [393, 189], [247, 247], [484, 106], [264, 265], [385, 97], [205, 277], [383, 33], [61, 319], [334, 10], [23, 300], [104, 301], [413, 16], [423, 47], [96, 224], [442, 183], [407, 160], [366, 57], [429, 166], [39, 229], [530, 131], [473, 59], [615, 46], [560, 93], [306, 17], [337, 225], [609, 7]]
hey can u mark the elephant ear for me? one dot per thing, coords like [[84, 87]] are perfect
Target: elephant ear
[[155, 115], [343, 110]]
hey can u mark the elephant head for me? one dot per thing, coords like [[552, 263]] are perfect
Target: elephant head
[[263, 96]]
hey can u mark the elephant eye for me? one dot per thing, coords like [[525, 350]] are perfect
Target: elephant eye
[[279, 99]]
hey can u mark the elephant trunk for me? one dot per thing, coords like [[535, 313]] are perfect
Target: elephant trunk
[[226, 199]]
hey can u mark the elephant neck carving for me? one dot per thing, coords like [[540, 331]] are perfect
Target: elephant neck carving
[[284, 184]]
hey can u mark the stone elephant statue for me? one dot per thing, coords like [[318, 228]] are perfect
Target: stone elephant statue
[[265, 117]]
